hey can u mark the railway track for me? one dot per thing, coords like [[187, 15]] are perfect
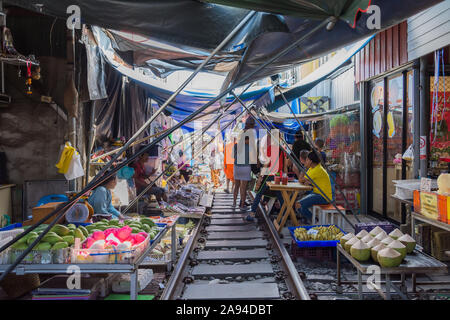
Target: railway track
[[228, 258]]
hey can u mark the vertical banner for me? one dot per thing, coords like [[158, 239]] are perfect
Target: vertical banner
[[440, 118]]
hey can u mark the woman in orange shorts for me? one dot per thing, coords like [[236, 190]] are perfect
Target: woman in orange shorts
[[229, 164]]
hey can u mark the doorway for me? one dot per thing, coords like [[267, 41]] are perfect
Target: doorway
[[390, 109]]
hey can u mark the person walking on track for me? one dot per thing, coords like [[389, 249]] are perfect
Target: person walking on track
[[245, 153]]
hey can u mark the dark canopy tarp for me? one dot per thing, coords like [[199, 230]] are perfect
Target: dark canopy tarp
[[323, 41], [311, 9], [197, 28], [193, 25]]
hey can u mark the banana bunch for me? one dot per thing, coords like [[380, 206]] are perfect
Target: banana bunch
[[318, 233]]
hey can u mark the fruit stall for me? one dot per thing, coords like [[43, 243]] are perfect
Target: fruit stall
[[375, 252], [106, 246]]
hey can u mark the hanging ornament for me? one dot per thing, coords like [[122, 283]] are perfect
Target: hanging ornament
[[28, 81]]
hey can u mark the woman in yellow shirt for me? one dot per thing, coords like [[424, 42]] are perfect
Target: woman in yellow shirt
[[321, 178]]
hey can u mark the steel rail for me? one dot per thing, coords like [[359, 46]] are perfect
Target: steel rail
[[300, 290]]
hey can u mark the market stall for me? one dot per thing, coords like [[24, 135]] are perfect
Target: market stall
[[90, 249]]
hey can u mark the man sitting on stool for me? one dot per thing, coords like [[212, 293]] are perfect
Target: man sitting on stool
[[321, 178]]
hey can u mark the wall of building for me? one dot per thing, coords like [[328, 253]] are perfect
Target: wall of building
[[385, 52], [343, 89], [429, 30], [31, 134]]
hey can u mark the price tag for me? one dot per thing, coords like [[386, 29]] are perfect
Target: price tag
[[425, 184]]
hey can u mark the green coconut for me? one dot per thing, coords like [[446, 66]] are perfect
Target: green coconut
[[360, 251], [395, 234], [387, 240], [389, 258], [362, 234], [381, 235], [400, 247], [408, 242], [349, 243], [345, 238], [367, 238], [375, 231], [374, 251], [374, 242]]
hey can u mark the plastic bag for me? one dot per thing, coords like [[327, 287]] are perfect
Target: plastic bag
[[409, 154], [75, 168]]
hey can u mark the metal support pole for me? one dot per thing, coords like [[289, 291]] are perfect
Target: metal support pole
[[102, 176], [174, 243], [416, 117], [424, 114], [91, 141], [364, 140], [388, 286], [134, 284], [360, 290], [338, 267]]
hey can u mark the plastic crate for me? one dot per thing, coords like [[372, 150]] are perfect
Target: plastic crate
[[154, 258], [386, 226], [440, 244], [314, 243], [10, 233], [60, 256], [77, 224], [4, 255], [316, 253], [111, 256], [11, 226]]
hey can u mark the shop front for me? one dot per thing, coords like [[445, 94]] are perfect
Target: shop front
[[390, 130]]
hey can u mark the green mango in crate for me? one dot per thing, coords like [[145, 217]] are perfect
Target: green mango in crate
[[60, 245], [19, 246], [79, 234], [52, 239], [43, 246], [31, 239], [61, 230], [69, 239], [148, 222], [84, 230]]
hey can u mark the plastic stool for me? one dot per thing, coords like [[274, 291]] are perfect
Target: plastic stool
[[325, 211]]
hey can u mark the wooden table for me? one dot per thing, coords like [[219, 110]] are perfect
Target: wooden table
[[417, 262], [289, 193]]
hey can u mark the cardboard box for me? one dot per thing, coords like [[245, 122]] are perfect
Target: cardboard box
[[432, 205], [42, 211]]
